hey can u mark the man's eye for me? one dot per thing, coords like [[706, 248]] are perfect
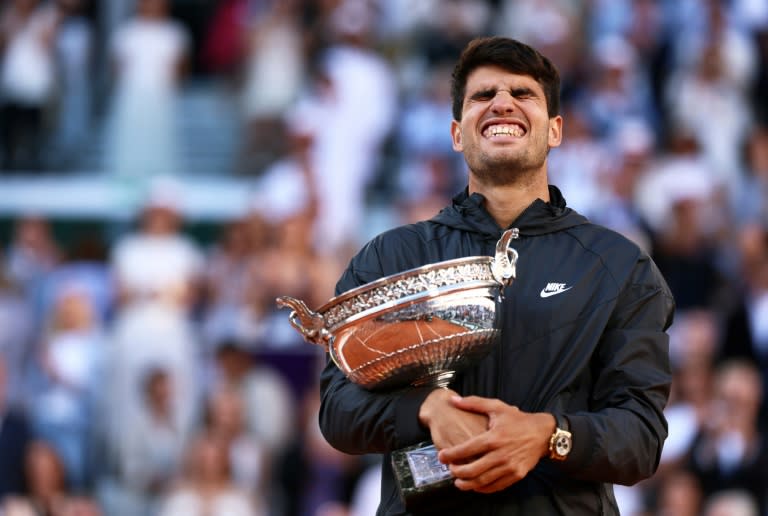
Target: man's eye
[[522, 94], [483, 95]]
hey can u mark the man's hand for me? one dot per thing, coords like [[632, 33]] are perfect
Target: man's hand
[[497, 458], [449, 424]]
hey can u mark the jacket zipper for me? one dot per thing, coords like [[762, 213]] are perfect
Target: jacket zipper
[[499, 375]]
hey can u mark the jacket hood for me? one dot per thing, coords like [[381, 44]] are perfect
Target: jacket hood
[[467, 212]]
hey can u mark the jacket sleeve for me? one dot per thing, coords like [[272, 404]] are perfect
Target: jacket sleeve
[[619, 440], [356, 420]]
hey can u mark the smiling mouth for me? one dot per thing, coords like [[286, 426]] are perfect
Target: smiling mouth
[[504, 130]]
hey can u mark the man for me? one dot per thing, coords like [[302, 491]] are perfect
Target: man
[[584, 355]]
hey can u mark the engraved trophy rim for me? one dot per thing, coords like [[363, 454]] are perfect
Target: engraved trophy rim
[[415, 272], [450, 276]]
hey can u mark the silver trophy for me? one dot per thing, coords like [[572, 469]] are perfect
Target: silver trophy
[[418, 327]]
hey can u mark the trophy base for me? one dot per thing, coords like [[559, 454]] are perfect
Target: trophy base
[[421, 478]]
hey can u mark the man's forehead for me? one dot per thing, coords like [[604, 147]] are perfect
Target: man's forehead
[[496, 77]]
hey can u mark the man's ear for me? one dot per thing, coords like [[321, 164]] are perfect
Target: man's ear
[[456, 136], [555, 131]]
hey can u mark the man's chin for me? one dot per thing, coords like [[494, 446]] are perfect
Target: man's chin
[[507, 173]]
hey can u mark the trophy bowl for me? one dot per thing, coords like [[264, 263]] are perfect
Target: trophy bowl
[[417, 327]]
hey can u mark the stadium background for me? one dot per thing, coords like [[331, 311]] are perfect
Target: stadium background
[[168, 168]]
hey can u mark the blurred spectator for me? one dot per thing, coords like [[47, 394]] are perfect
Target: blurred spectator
[[693, 350], [618, 88], [686, 258], [632, 149], [704, 24], [731, 503], [745, 326], [149, 53], [15, 436], [609, 17], [32, 254], [68, 374], [157, 270], [748, 203], [83, 265], [288, 187], [268, 404], [151, 458], [646, 30], [731, 452], [443, 27], [74, 58], [229, 286], [678, 198], [27, 78], [758, 99], [16, 336], [249, 456], [285, 203], [224, 43], [349, 114], [367, 493], [429, 165], [578, 165], [720, 128], [672, 491], [274, 74], [48, 491], [206, 487], [316, 479], [552, 26], [679, 495], [284, 270]]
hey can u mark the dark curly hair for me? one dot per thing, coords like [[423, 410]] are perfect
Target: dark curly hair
[[511, 55]]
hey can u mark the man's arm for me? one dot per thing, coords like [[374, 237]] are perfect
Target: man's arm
[[355, 420], [620, 437]]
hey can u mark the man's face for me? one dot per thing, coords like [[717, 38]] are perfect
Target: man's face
[[505, 131]]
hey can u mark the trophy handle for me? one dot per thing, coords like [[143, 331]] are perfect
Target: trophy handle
[[310, 324], [504, 263]]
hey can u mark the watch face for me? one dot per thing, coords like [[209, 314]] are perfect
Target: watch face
[[562, 445]]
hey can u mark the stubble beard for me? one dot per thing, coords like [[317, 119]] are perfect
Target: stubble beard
[[506, 170]]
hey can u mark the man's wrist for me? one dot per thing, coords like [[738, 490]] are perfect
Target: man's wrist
[[433, 401], [549, 426]]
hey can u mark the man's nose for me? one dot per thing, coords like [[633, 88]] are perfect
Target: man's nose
[[503, 102]]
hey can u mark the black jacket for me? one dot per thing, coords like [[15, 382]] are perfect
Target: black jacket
[[597, 353]]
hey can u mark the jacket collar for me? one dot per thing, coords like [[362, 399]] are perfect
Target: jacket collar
[[468, 212]]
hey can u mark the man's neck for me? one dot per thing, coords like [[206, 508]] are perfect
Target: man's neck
[[506, 202]]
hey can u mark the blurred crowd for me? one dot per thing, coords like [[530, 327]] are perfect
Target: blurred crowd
[[144, 371]]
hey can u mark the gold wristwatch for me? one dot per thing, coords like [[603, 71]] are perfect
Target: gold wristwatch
[[560, 443]]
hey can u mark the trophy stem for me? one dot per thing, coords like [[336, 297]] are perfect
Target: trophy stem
[[437, 379]]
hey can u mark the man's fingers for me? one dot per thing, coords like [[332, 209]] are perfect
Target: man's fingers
[[475, 403], [464, 452], [499, 484], [489, 480]]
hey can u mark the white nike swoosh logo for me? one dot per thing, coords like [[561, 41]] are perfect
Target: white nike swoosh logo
[[544, 292]]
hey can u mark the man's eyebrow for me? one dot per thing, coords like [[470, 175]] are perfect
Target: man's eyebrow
[[491, 91], [483, 92], [521, 90]]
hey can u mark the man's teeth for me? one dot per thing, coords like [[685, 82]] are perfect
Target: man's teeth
[[508, 130]]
